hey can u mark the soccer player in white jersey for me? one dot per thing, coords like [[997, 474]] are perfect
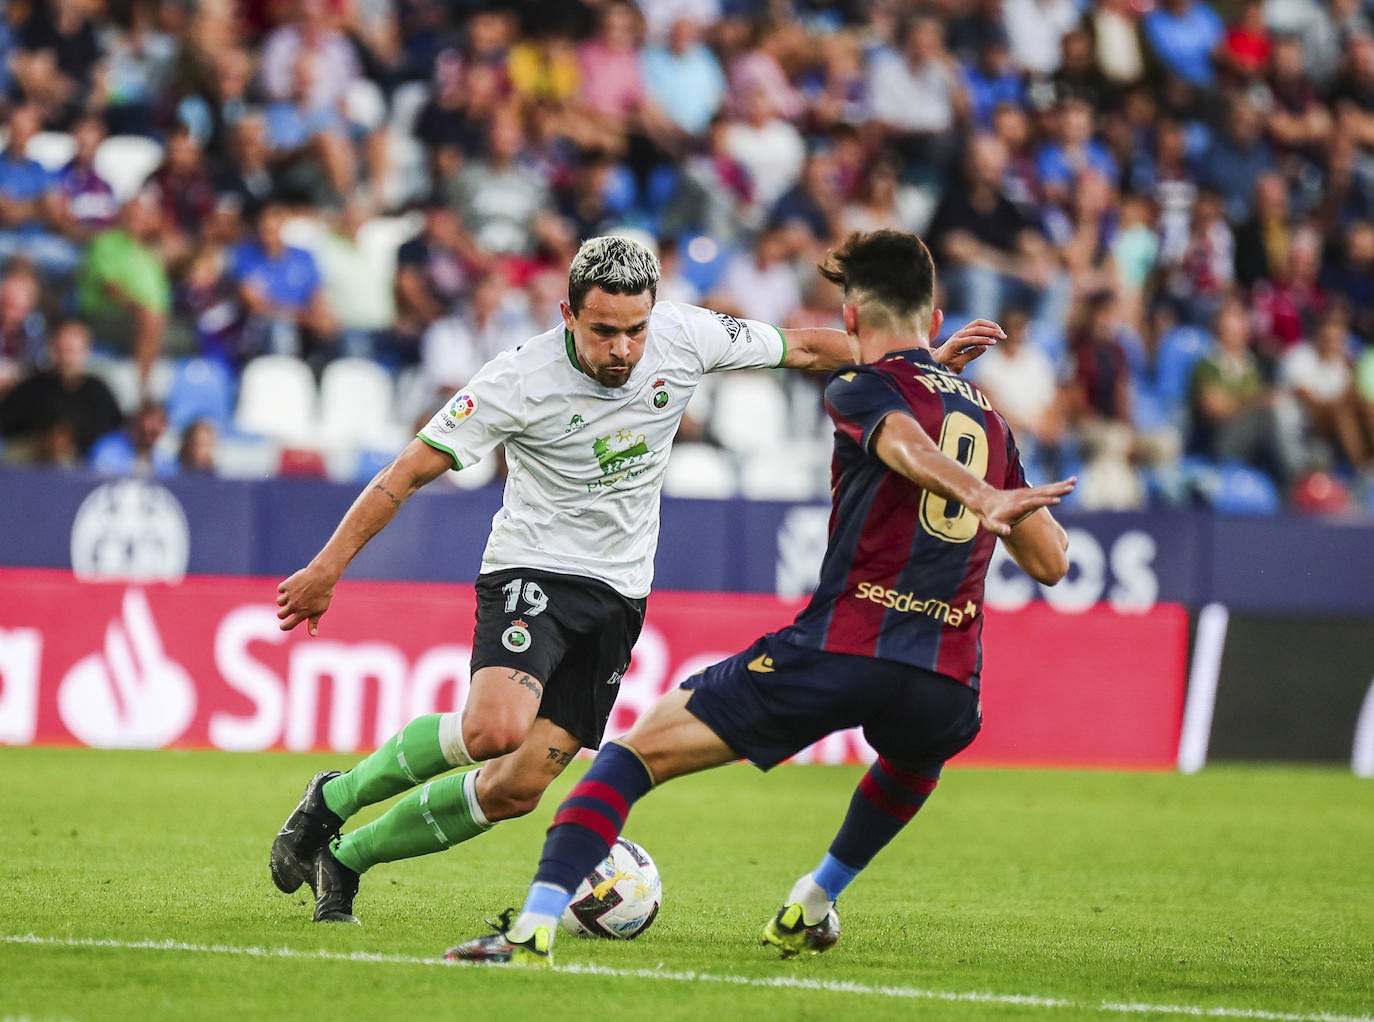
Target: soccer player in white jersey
[[587, 413]]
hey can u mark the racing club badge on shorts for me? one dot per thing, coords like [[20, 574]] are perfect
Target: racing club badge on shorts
[[516, 638]]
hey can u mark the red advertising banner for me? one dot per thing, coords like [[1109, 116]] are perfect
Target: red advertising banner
[[203, 664]]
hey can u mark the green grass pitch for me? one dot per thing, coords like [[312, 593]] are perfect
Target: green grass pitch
[[135, 886]]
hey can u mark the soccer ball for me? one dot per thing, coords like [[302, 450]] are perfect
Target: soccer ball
[[620, 898]]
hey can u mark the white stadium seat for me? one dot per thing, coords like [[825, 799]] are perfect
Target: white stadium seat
[[277, 399], [357, 399], [126, 162], [748, 411], [701, 471], [52, 149]]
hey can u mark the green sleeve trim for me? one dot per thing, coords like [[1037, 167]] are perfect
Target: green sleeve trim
[[782, 337], [440, 447]]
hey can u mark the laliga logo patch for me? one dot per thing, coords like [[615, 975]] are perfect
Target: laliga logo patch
[[516, 638], [463, 405], [660, 396]]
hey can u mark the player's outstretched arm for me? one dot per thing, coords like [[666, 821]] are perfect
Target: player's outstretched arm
[[966, 343], [819, 348], [306, 595], [905, 447], [1040, 547]]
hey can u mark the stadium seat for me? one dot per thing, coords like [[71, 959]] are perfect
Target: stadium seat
[[704, 260], [246, 457], [365, 105], [276, 399], [126, 161], [201, 388], [406, 103], [369, 463], [1242, 490], [701, 471], [356, 405], [301, 463], [792, 471], [748, 412], [303, 232], [52, 149], [1179, 351], [475, 476], [121, 376]]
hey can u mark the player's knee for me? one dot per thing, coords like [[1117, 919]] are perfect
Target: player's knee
[[487, 739]]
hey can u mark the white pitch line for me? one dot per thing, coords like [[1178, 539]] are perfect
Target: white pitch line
[[775, 982]]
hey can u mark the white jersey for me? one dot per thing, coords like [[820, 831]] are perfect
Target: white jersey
[[586, 462]]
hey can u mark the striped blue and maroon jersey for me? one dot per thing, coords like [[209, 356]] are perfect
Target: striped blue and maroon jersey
[[903, 573]]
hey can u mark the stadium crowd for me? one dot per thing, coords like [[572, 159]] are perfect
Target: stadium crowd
[[230, 228]]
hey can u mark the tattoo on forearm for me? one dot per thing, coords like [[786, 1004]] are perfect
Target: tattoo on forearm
[[559, 756], [521, 678], [395, 500]]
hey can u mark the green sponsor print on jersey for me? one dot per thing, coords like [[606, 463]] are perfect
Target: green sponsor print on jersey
[[619, 463], [574, 424]]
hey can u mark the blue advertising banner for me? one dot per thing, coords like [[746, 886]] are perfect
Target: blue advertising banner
[[166, 529]]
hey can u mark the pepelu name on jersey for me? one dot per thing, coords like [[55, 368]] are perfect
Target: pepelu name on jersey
[[913, 604], [940, 382]]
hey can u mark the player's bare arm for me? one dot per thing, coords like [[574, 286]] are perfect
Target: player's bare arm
[[823, 349], [905, 447], [1040, 547], [306, 595]]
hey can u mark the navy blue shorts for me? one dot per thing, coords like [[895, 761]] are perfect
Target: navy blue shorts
[[776, 698]]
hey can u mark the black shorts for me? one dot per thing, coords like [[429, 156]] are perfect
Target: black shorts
[[573, 634], [776, 698]]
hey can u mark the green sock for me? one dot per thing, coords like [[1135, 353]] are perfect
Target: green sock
[[410, 756], [440, 815]]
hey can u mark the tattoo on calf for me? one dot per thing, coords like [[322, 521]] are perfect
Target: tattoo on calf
[[523, 679], [389, 495], [559, 756]]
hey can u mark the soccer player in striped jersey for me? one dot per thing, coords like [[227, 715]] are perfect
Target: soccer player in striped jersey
[[926, 477]]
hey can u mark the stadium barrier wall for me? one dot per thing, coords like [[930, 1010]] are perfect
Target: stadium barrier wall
[[202, 663]]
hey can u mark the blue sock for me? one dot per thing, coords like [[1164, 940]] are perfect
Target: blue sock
[[546, 900], [592, 817], [833, 876]]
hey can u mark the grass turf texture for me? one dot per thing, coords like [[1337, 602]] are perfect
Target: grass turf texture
[[1242, 888]]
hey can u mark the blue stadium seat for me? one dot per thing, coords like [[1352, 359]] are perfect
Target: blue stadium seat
[[1243, 490], [703, 261], [620, 192], [370, 463], [201, 388]]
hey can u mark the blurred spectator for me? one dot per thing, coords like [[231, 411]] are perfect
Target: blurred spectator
[[1021, 178], [917, 96], [137, 449], [838, 89], [814, 203], [123, 288], [1184, 35], [434, 270], [613, 90], [1353, 92], [1248, 44], [57, 414], [1021, 382], [1287, 306], [1298, 121], [456, 346], [1171, 184], [882, 202], [770, 149], [207, 295], [23, 330], [1036, 28], [1321, 376], [1084, 232], [307, 139], [761, 284], [498, 197], [1238, 155], [83, 203], [662, 17], [187, 194], [992, 255], [197, 451], [359, 285], [374, 31], [137, 65], [282, 293], [1209, 262], [760, 70], [1073, 152], [1118, 46], [1234, 414], [453, 122], [1099, 391], [25, 197], [1349, 277], [994, 79], [310, 36], [684, 79], [673, 285], [1262, 241], [1078, 75], [212, 109], [250, 176], [1135, 251], [59, 52]]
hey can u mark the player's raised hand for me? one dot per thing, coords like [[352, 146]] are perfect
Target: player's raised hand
[[1002, 509], [967, 343], [305, 596]]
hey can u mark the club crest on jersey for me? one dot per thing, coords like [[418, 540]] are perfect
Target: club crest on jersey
[[660, 396], [516, 638], [733, 326]]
